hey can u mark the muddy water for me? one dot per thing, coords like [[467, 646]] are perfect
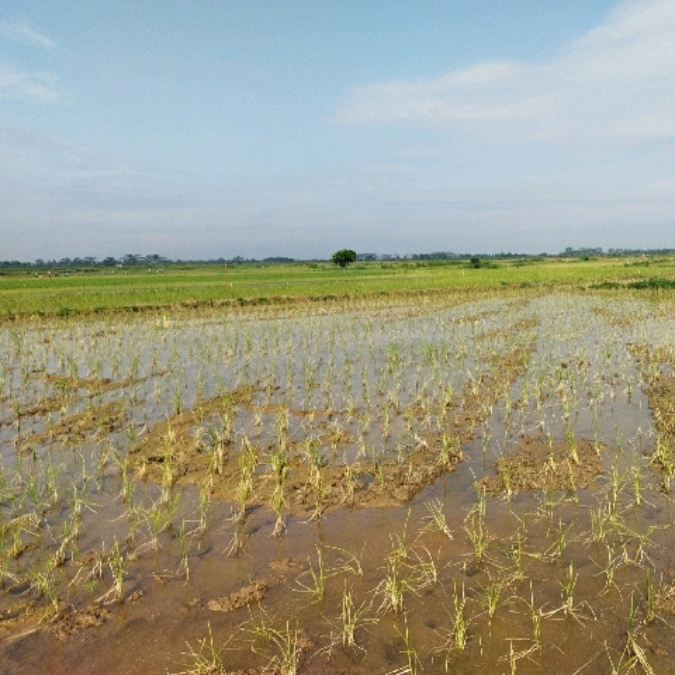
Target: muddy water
[[579, 577], [151, 633]]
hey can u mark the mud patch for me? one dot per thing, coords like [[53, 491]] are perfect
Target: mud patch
[[660, 389], [71, 390], [614, 319], [665, 600], [256, 591], [72, 621], [98, 385], [282, 568], [173, 452], [77, 428], [244, 597], [177, 442], [538, 465], [16, 612]]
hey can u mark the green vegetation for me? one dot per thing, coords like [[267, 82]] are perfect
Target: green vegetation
[[344, 257], [28, 292]]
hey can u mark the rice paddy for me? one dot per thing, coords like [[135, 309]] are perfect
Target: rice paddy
[[452, 482]]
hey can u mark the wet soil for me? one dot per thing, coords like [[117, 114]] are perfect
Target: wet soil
[[656, 366], [77, 428], [248, 595], [71, 620], [180, 539], [316, 488], [538, 464]]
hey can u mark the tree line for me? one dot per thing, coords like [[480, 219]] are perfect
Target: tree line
[[155, 260]]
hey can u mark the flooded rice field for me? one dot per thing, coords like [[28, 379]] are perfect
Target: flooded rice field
[[444, 484]]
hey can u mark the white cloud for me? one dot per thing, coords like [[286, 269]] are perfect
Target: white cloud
[[617, 82], [42, 86], [18, 83], [21, 32]]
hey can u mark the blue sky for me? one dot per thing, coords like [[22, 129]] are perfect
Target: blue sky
[[208, 128]]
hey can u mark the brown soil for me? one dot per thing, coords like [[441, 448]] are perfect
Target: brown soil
[[71, 620], [248, 595], [536, 465], [175, 441], [665, 600], [17, 612], [314, 489], [71, 391], [613, 318], [660, 390], [77, 428], [96, 384]]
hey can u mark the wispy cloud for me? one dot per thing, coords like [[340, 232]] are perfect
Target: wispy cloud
[[617, 82], [21, 32], [42, 86], [19, 83]]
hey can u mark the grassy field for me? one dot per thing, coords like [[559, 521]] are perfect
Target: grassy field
[[104, 289]]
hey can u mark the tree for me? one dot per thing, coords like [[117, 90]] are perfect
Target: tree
[[343, 257]]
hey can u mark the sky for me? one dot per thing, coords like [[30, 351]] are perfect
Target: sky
[[199, 129]]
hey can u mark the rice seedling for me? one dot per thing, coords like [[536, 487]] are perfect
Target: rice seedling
[[349, 485], [601, 521], [184, 567], [204, 504], [651, 597], [393, 588], [634, 648], [206, 659], [157, 522], [347, 562], [247, 464], [277, 503], [322, 490], [559, 544], [493, 593], [413, 665], [353, 617], [423, 570], [459, 630], [480, 538], [237, 541], [279, 464], [515, 553], [609, 570], [5, 574], [568, 587], [436, 521], [118, 564], [318, 575], [288, 650]]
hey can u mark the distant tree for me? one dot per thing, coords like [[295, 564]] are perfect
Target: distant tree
[[133, 259], [476, 262], [344, 257]]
